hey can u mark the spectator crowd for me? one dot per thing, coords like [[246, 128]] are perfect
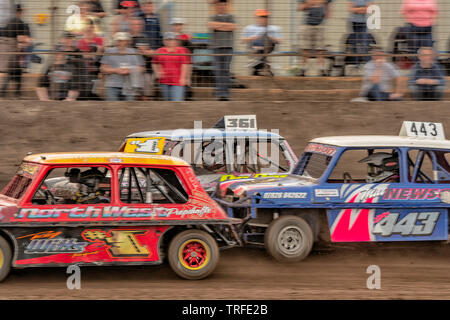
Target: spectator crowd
[[140, 62]]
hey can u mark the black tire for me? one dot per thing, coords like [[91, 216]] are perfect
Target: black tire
[[5, 258], [200, 268], [289, 239]]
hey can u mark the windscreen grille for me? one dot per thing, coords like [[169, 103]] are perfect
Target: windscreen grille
[[17, 187]]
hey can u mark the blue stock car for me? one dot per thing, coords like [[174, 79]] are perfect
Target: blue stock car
[[347, 189]]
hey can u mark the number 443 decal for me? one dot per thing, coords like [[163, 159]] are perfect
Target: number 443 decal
[[413, 224]]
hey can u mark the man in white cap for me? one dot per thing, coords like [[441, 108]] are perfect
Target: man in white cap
[[123, 67], [176, 25]]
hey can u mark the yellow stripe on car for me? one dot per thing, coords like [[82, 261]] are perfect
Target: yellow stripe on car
[[2, 259], [103, 158]]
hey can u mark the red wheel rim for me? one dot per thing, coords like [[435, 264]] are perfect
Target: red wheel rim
[[194, 254]]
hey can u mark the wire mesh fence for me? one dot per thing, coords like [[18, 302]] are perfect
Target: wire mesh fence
[[215, 49]]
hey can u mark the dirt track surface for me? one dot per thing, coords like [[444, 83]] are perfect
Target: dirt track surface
[[418, 271]]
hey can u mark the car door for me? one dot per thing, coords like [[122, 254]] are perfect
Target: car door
[[354, 198]]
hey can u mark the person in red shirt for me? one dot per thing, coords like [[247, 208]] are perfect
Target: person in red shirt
[[172, 71], [90, 42], [176, 26]]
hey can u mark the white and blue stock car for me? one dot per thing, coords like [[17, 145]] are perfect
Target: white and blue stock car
[[350, 189], [234, 149]]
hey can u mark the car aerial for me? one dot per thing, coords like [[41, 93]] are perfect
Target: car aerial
[[92, 218], [232, 150], [349, 189]]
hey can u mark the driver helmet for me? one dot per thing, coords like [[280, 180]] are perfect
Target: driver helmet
[[91, 177], [381, 166]]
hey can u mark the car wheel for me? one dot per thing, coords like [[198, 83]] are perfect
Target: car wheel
[[193, 254], [5, 258], [289, 239]]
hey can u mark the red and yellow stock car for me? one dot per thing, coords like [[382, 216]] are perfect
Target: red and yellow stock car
[[110, 209]]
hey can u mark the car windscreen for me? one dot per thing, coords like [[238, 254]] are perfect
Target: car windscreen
[[219, 156], [314, 161], [19, 184]]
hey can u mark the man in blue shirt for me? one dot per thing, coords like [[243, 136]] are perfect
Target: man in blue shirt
[[261, 38], [427, 79], [358, 18]]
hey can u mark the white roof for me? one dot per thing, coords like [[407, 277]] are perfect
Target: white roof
[[382, 141]]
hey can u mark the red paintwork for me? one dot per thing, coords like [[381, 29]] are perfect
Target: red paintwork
[[199, 207], [100, 251], [16, 217]]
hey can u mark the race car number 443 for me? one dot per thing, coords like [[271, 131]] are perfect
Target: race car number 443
[[390, 224]]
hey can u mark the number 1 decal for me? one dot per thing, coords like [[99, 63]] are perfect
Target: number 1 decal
[[123, 243]]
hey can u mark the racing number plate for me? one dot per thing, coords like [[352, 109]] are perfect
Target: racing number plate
[[145, 145], [360, 225]]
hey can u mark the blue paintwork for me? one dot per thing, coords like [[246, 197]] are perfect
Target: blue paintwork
[[356, 199]]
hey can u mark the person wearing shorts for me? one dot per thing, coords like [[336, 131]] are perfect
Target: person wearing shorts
[[313, 38]]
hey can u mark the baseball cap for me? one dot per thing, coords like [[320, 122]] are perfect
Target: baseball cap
[[128, 4], [170, 35], [177, 21], [262, 13], [118, 36]]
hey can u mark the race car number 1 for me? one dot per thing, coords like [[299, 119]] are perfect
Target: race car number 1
[[427, 130]]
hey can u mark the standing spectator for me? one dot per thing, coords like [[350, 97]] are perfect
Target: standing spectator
[[152, 32], [316, 11], [152, 27], [123, 68], [184, 40], [378, 75], [261, 38], [358, 18], [222, 25], [90, 43], [420, 14], [172, 70], [142, 44], [360, 40], [427, 79], [121, 22], [17, 64], [64, 74], [7, 43]]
